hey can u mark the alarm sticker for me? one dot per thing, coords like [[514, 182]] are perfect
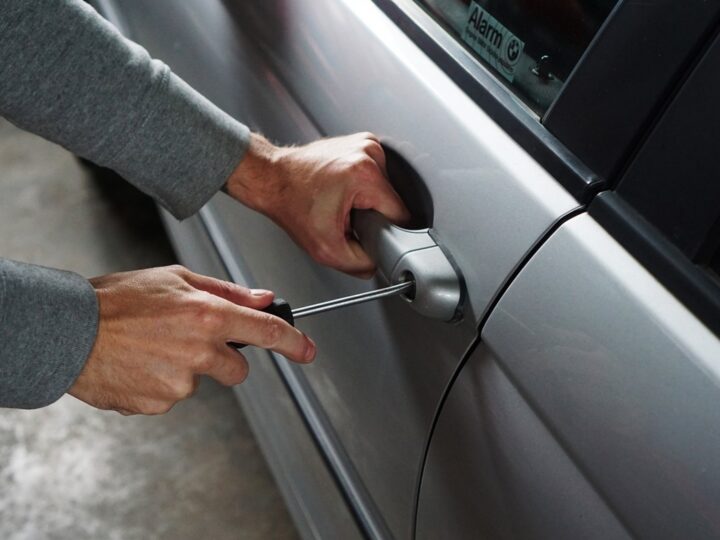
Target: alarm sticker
[[494, 43]]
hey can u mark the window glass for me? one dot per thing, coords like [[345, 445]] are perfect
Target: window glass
[[715, 265], [530, 45]]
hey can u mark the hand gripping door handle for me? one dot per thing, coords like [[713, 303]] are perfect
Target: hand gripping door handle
[[402, 255]]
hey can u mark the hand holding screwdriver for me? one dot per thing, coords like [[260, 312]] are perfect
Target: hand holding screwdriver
[[280, 308], [161, 328]]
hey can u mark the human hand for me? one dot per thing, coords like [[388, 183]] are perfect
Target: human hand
[[310, 191], [161, 328]]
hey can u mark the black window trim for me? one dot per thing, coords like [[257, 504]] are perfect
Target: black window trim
[[675, 168], [651, 74]]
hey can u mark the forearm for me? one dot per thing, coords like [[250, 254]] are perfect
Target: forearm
[[48, 322], [69, 76]]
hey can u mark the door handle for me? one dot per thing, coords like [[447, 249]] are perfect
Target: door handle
[[402, 255]]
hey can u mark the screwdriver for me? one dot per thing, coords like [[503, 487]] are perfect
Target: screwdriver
[[280, 308]]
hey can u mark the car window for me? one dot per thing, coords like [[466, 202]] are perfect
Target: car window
[[531, 45]]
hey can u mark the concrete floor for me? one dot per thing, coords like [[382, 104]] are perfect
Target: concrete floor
[[71, 472]]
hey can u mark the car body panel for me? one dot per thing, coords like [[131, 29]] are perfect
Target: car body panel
[[494, 470], [624, 376]]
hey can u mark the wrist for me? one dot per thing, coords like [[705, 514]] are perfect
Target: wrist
[[258, 175]]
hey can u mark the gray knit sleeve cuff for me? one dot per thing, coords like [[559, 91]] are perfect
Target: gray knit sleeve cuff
[[185, 149], [48, 324]]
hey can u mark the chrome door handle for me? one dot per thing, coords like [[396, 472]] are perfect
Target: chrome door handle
[[404, 254]]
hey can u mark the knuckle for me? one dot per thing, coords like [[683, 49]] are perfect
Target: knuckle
[[363, 163], [228, 288], [164, 408], [204, 361], [272, 331], [370, 145], [180, 390], [154, 408], [324, 254], [240, 373], [205, 312], [125, 410], [178, 269], [244, 372], [365, 169]]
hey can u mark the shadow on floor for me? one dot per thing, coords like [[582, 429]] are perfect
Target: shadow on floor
[[129, 207]]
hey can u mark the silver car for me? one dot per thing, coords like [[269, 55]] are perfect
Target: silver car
[[556, 373]]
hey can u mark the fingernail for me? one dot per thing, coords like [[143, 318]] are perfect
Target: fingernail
[[310, 350], [259, 292]]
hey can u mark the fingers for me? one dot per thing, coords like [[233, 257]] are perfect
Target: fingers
[[230, 368], [375, 150], [254, 298], [376, 193], [263, 330], [352, 259], [389, 204], [347, 256], [141, 368], [369, 136], [381, 196]]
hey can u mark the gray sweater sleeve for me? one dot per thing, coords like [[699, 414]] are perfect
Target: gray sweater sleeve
[[48, 320], [69, 76]]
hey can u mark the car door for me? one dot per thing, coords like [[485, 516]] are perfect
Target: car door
[[471, 139], [589, 409]]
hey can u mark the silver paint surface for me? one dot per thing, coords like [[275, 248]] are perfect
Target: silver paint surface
[[626, 378], [494, 470]]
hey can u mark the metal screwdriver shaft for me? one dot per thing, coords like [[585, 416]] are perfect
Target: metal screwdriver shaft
[[361, 298], [280, 308]]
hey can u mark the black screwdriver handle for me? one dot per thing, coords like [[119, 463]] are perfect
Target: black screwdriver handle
[[279, 308]]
